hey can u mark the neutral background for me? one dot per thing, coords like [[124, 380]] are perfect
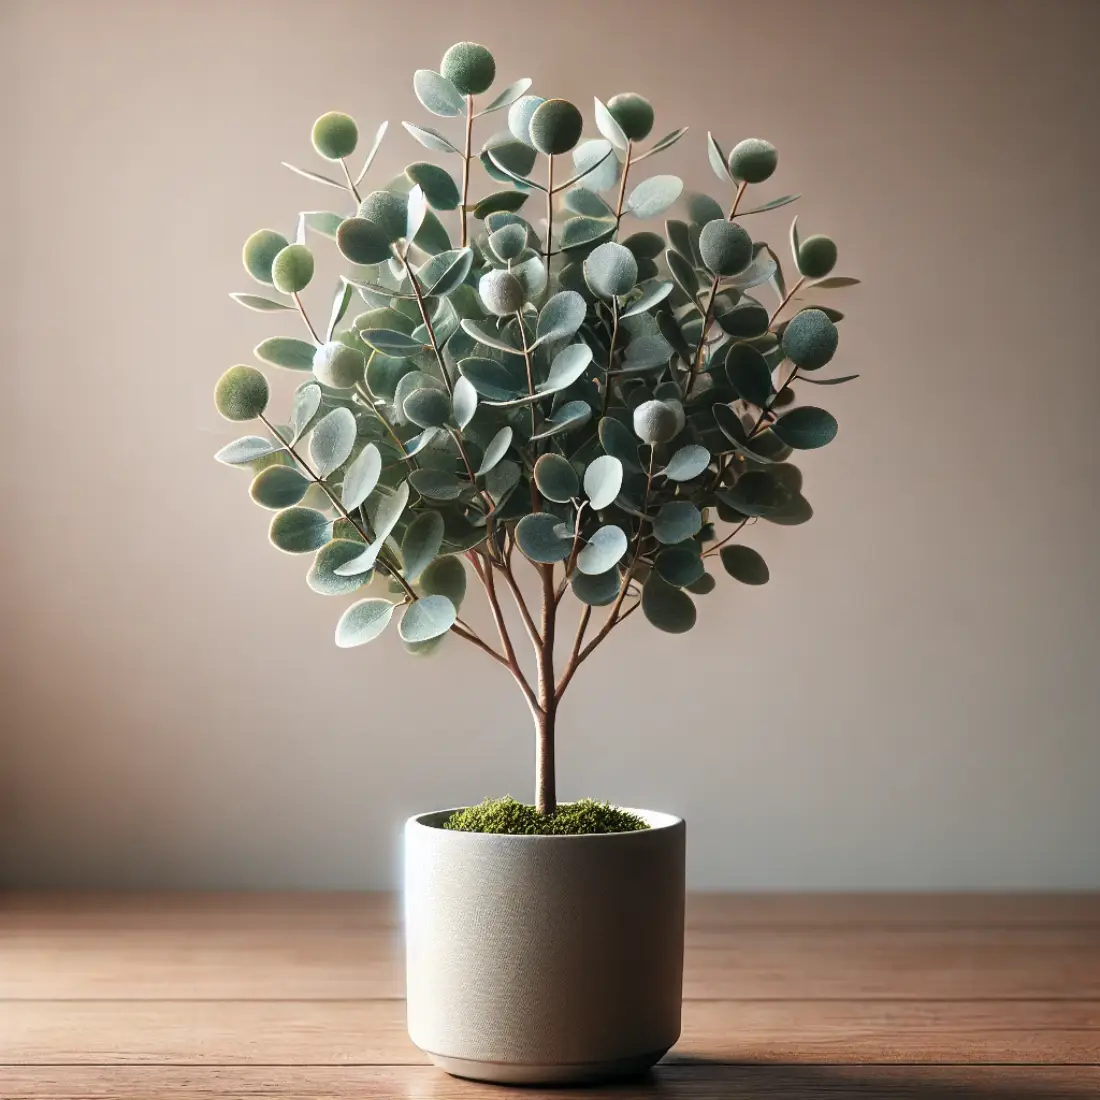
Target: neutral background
[[914, 700]]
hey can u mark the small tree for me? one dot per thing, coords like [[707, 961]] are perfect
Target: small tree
[[608, 404]]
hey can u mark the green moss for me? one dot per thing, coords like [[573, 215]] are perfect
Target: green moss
[[506, 815]]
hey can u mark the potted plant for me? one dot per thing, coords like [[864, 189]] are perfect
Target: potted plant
[[546, 381]]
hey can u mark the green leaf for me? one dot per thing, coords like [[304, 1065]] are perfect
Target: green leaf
[[538, 538], [445, 271], [321, 577], [578, 232], [687, 462], [391, 342], [749, 374], [654, 196], [499, 158], [278, 487], [260, 305], [611, 270], [259, 251], [508, 241], [745, 564], [645, 245], [361, 477], [834, 282], [423, 538], [387, 514], [596, 589], [445, 576], [436, 484], [594, 164], [492, 380], [774, 204], [427, 407], [306, 403], [567, 366], [717, 159], [556, 478], [335, 135], [651, 296], [762, 269], [568, 418], [603, 479], [501, 480], [680, 565], [363, 242], [806, 428], [282, 351], [498, 202], [704, 585], [241, 393], [495, 451], [756, 493], [607, 125], [299, 530], [416, 212], [315, 176], [363, 622], [464, 402], [702, 209], [746, 319], [507, 97], [675, 521], [561, 316], [340, 302], [506, 161], [437, 94], [581, 200], [243, 451], [646, 352], [431, 139], [603, 551], [684, 274], [827, 381], [373, 152], [666, 142], [292, 269], [668, 608], [322, 221], [618, 441], [427, 618], [332, 440]]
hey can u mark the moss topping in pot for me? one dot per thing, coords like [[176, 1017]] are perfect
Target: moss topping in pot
[[506, 815]]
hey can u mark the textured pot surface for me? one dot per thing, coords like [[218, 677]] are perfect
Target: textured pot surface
[[544, 959]]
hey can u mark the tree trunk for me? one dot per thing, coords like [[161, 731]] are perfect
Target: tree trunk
[[545, 780], [546, 798]]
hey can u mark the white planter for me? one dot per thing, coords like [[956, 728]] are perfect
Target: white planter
[[544, 959]]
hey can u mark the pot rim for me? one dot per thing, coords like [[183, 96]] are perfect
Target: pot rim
[[658, 822]]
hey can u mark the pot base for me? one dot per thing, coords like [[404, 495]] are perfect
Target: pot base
[[521, 1073]]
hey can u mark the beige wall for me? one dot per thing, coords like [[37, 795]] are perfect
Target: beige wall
[[915, 698]]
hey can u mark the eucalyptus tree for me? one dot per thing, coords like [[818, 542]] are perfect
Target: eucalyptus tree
[[533, 373]]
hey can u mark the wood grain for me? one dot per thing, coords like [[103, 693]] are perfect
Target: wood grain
[[940, 997]]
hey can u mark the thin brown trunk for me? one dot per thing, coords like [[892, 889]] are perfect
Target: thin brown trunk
[[545, 781], [546, 796]]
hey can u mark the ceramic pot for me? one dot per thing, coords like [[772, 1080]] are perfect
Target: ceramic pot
[[544, 959]]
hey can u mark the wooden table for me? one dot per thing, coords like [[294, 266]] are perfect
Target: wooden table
[[792, 997]]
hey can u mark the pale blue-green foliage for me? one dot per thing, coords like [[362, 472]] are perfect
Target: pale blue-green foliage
[[571, 362]]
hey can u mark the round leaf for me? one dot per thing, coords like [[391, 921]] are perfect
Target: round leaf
[[339, 366], [556, 478], [568, 365], [361, 477], [676, 521], [687, 462], [680, 565], [438, 185], [538, 538], [816, 256], [597, 170], [278, 487], [445, 577], [654, 196], [617, 440], [495, 451], [806, 428], [335, 135], [501, 292], [427, 407], [241, 452], [810, 339], [299, 530], [241, 394], [668, 608], [464, 402], [437, 94], [597, 589], [307, 400], [749, 374], [603, 551], [725, 247], [491, 379], [611, 270], [602, 481], [561, 316], [427, 618], [436, 484], [332, 440], [282, 351], [363, 622], [633, 113], [362, 242], [292, 269], [745, 564], [519, 117], [508, 242], [555, 127], [322, 577], [423, 538], [469, 67], [260, 251]]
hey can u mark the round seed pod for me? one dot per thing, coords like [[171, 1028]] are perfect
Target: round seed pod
[[335, 135], [292, 269], [519, 117], [469, 67], [388, 211], [633, 113], [810, 339], [753, 160], [241, 393], [501, 292], [259, 251], [337, 365], [725, 247], [556, 127], [611, 270], [655, 422], [817, 256]]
